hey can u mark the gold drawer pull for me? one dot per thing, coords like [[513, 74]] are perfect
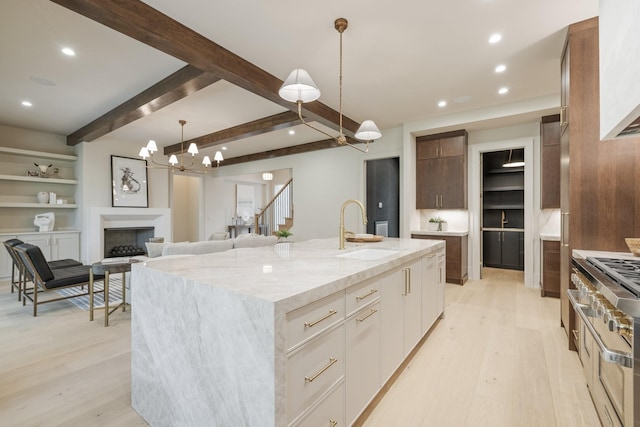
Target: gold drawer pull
[[310, 324], [332, 422], [371, 313], [371, 292], [317, 374]]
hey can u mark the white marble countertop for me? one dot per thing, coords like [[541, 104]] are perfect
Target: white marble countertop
[[291, 274], [459, 233], [550, 237]]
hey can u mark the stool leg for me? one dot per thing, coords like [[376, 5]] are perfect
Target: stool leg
[[91, 295], [106, 298], [124, 293]]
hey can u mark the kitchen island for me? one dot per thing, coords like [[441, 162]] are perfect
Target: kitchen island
[[296, 334]]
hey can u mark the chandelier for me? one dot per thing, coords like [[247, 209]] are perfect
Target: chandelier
[[179, 164], [299, 88]]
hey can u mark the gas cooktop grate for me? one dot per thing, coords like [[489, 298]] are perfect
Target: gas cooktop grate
[[625, 272]]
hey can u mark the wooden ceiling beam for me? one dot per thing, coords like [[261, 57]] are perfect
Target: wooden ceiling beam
[[183, 82], [147, 25], [256, 127], [287, 151]]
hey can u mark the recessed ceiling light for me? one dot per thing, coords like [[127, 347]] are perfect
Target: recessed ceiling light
[[495, 38], [503, 90], [442, 104], [292, 132], [224, 148], [27, 104], [500, 68], [68, 51]]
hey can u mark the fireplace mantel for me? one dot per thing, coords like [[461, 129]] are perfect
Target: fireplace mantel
[[97, 219]]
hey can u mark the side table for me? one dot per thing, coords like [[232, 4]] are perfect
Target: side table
[[107, 268]]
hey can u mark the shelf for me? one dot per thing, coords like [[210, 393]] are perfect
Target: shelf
[[38, 180], [503, 206], [38, 154], [37, 205], [505, 170], [504, 188]]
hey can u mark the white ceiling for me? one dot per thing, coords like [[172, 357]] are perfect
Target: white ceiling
[[400, 59]]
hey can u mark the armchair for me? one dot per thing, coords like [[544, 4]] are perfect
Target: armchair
[[47, 279]]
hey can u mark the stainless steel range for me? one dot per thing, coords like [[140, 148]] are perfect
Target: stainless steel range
[[607, 304]]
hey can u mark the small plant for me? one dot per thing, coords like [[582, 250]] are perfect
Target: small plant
[[284, 233], [437, 219]]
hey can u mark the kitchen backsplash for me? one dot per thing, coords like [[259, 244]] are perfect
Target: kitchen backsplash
[[550, 222], [457, 220]]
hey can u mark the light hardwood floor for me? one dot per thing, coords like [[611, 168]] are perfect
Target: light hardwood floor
[[498, 358]]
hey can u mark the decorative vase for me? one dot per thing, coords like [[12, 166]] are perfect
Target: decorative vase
[[43, 196]]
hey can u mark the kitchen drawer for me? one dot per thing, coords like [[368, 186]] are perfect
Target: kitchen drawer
[[327, 413], [307, 321], [313, 368], [361, 295]]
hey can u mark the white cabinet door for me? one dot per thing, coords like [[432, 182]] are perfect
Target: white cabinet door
[[429, 291], [42, 240], [6, 263], [65, 245], [412, 305], [391, 322], [363, 359]]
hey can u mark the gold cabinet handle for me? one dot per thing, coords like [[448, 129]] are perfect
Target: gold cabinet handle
[[406, 281], [310, 379], [436, 200], [371, 313], [332, 422], [371, 292], [311, 324]]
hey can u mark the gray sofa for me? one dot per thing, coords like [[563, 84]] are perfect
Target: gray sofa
[[161, 250]]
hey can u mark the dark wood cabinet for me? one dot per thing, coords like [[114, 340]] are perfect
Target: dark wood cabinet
[[602, 177], [441, 171], [550, 168], [503, 249], [550, 286], [456, 250]]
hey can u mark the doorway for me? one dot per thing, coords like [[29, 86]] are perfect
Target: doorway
[[383, 196], [186, 202], [503, 194]]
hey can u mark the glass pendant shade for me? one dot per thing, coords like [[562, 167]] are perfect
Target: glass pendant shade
[[206, 161], [299, 87], [193, 149], [173, 160], [144, 152], [368, 131], [218, 157], [267, 176]]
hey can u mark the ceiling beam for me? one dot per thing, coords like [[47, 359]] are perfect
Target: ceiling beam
[[256, 127], [287, 151], [147, 25], [183, 82]]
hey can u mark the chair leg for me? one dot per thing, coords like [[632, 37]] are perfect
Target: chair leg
[[35, 299]]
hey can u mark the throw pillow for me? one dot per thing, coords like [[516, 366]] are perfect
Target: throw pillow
[[154, 249]]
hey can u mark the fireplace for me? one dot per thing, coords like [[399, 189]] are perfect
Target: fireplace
[[126, 241]]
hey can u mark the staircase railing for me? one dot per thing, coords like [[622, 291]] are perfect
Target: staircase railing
[[279, 211]]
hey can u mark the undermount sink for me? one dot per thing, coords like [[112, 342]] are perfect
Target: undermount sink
[[368, 254]]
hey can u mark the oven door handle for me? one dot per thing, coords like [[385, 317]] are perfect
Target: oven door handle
[[611, 356]]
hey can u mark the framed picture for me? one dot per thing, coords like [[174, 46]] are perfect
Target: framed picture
[[129, 182]]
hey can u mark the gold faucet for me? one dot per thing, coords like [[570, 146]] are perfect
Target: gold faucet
[[344, 205]]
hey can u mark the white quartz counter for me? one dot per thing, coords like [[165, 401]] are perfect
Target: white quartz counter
[[208, 340], [459, 233], [550, 237], [584, 254], [291, 274]]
